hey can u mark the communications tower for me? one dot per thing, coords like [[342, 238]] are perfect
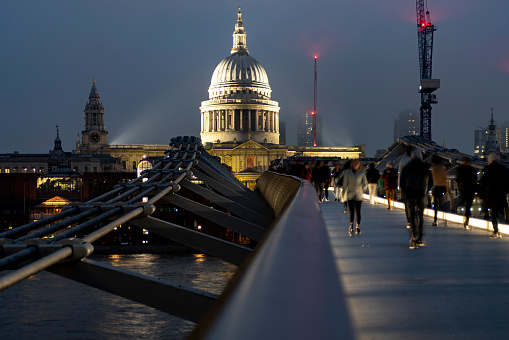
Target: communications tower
[[314, 110], [425, 30]]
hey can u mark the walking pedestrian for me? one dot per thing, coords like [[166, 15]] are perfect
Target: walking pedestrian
[[466, 178], [415, 181], [354, 185], [317, 179], [307, 173], [493, 189], [297, 169], [372, 175], [440, 187], [326, 177], [340, 183], [402, 163], [335, 179], [390, 176]]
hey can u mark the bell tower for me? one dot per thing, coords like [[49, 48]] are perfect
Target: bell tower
[[94, 136]]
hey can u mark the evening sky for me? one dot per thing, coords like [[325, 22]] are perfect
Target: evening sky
[[153, 61]]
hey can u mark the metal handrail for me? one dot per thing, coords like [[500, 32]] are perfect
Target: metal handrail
[[290, 288]]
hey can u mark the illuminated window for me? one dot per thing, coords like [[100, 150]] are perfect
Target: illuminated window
[[250, 162]]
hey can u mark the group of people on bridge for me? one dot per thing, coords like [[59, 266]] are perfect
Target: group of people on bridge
[[416, 180]]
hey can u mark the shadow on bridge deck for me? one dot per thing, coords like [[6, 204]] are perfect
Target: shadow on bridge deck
[[455, 287]]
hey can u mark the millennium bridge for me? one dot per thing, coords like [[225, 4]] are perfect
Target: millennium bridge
[[303, 277]]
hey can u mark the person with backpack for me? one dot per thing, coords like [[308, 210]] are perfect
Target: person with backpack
[[415, 181]]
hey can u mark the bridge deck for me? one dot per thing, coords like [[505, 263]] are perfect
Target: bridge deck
[[455, 287]]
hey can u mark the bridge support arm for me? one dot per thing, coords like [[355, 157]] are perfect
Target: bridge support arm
[[226, 251], [236, 224], [187, 303]]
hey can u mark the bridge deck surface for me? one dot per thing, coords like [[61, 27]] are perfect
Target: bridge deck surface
[[455, 287]]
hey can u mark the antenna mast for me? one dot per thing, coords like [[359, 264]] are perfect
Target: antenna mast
[[314, 110]]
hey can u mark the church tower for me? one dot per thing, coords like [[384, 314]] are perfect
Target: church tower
[[491, 141], [94, 136]]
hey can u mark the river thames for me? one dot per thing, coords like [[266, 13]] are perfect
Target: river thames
[[49, 306]]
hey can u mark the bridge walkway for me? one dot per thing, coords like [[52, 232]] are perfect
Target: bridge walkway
[[455, 287]]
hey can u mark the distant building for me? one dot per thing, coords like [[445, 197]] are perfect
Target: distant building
[[407, 124], [305, 130], [491, 139], [480, 137]]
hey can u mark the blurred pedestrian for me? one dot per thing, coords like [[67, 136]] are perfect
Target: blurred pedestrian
[[297, 169], [493, 189], [335, 179], [372, 175], [340, 183], [466, 178], [415, 182], [390, 176], [440, 187], [402, 163], [354, 185], [317, 179], [326, 177], [308, 171]]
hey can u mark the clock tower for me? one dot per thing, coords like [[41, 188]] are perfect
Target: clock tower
[[94, 136]]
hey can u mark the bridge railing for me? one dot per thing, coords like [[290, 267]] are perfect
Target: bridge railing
[[290, 287], [287, 287]]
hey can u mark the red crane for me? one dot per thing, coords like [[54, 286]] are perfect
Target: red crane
[[425, 31]]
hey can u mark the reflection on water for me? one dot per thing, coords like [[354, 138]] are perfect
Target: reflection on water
[[47, 305]]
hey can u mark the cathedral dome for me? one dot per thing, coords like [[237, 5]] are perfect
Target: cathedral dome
[[239, 69], [239, 106]]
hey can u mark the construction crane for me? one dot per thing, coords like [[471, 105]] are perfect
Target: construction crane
[[425, 30]]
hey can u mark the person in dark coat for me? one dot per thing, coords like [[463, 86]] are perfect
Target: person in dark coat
[[415, 181], [298, 169], [466, 178], [440, 187], [390, 176], [493, 189], [372, 175], [326, 177], [317, 179]]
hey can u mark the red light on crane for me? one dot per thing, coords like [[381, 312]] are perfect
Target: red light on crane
[[312, 113]]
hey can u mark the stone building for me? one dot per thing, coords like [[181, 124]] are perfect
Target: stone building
[[239, 106]]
